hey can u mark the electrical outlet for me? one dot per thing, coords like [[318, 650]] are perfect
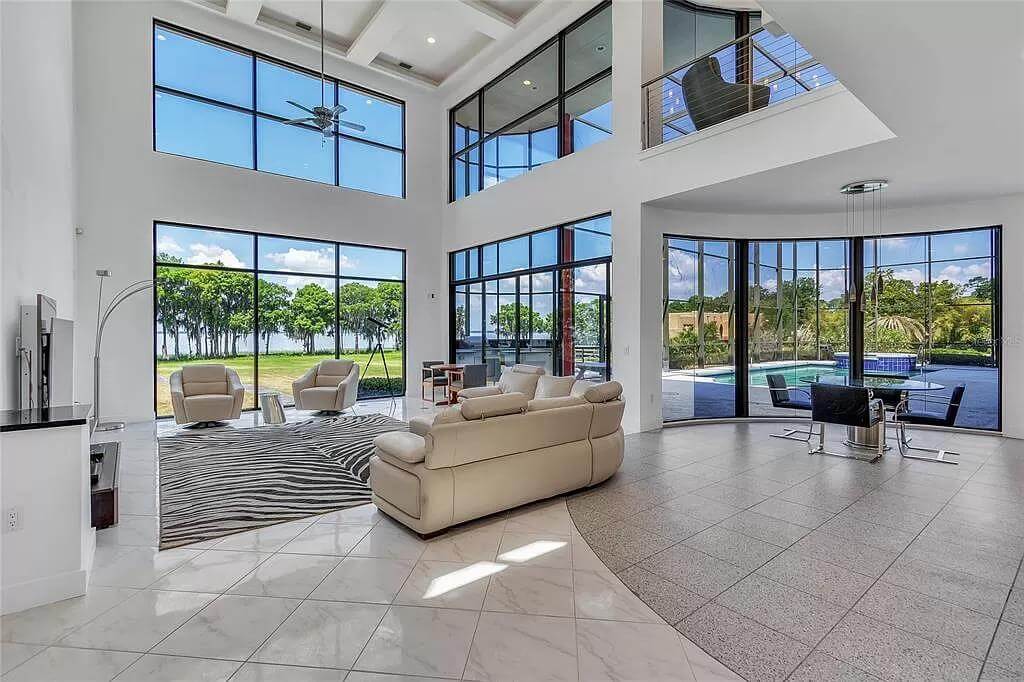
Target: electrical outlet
[[12, 519]]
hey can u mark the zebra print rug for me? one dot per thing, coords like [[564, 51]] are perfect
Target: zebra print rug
[[224, 481]]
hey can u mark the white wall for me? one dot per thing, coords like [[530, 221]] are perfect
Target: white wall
[[37, 249], [1005, 211], [124, 186]]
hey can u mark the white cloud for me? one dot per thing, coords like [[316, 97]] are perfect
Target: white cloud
[[961, 249], [308, 260], [166, 244], [590, 279], [833, 283], [208, 254], [962, 274], [913, 274], [682, 275]]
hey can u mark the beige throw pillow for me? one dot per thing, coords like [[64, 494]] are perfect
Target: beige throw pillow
[[554, 387]]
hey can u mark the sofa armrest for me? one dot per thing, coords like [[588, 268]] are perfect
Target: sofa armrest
[[237, 390], [420, 424], [478, 392], [402, 445], [307, 380], [348, 389], [178, 398]]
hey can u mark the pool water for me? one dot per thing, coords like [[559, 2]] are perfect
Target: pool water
[[793, 374]]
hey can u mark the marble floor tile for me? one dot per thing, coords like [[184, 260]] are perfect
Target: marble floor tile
[[668, 600], [735, 548], [232, 627], [80, 665], [534, 590], [602, 596], [286, 575], [138, 567], [322, 634], [610, 650], [413, 640], [890, 653], [268, 539], [388, 542], [958, 628], [12, 655], [448, 584], [949, 585], [361, 515], [799, 615], [158, 668], [694, 570], [267, 672], [364, 579], [544, 517], [510, 646], [752, 650], [141, 531], [46, 624], [535, 549], [816, 577], [765, 528], [139, 623], [327, 539], [468, 546], [211, 571], [1008, 648]]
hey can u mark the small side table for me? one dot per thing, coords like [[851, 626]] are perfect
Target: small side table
[[272, 407]]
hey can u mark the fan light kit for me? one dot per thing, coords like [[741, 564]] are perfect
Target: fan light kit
[[323, 117]]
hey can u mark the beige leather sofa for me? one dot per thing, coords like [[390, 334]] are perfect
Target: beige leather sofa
[[515, 379], [330, 386], [492, 453], [206, 393]]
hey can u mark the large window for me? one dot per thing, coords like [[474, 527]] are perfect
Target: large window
[[556, 101], [221, 103], [540, 299], [930, 311], [272, 307]]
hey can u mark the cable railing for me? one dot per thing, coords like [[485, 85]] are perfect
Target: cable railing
[[741, 76]]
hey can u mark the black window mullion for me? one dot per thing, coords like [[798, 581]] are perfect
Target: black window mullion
[[562, 132], [255, 136], [255, 320]]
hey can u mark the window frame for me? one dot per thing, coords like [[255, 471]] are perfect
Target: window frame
[[558, 100], [254, 111], [256, 271]]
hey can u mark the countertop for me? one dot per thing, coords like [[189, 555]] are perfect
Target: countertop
[[61, 415]]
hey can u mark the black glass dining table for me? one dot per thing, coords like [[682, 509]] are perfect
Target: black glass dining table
[[857, 436]]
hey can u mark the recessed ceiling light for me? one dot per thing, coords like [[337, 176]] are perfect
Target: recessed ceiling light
[[431, 39], [600, 48], [527, 83]]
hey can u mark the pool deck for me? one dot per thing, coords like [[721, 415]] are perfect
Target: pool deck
[[686, 397]]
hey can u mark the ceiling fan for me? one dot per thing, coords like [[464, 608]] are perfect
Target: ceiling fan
[[324, 117]]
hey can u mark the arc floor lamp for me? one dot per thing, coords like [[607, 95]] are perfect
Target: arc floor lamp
[[102, 315]]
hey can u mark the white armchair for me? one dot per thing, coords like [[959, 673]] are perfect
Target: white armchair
[[206, 394], [329, 386]]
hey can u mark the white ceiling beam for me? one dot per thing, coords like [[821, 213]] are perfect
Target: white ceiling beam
[[378, 33], [245, 11], [483, 18]]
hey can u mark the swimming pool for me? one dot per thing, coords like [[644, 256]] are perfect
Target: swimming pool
[[792, 373]]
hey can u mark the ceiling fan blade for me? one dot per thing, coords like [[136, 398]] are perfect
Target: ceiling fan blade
[[339, 109], [353, 126], [297, 121], [295, 104]]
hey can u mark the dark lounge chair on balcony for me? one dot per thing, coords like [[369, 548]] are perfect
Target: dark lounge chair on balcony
[[791, 399], [847, 406], [945, 416], [710, 99]]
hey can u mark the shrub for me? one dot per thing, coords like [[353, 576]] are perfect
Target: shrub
[[961, 356], [375, 387]]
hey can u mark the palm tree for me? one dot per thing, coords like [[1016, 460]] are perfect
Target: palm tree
[[903, 324]]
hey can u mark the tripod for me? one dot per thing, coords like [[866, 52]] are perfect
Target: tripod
[[379, 348]]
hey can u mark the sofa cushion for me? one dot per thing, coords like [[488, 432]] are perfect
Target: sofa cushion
[[528, 369], [319, 398], [208, 408], [331, 380], [538, 404], [516, 382], [198, 388], [494, 406], [402, 445], [335, 367], [602, 393], [553, 387]]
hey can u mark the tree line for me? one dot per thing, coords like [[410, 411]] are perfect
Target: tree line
[[205, 312]]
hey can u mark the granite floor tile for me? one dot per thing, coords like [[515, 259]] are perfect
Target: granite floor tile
[[587, 519], [668, 523], [784, 609], [811, 496], [817, 577], [736, 548], [961, 629], [667, 599], [1014, 611], [727, 494], [800, 514], [1008, 648], [694, 570], [897, 519], [847, 553], [628, 540], [850, 527], [992, 567], [949, 585], [891, 653], [774, 531], [974, 538], [702, 508], [747, 647], [819, 667], [991, 673]]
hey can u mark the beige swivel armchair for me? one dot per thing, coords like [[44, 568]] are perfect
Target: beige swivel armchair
[[329, 386], [206, 394]]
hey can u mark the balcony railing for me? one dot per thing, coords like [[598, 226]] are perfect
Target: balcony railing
[[744, 75]]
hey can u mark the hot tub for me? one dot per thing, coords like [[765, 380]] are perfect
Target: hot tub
[[882, 363]]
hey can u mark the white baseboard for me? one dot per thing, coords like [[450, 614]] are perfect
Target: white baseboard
[[46, 590]]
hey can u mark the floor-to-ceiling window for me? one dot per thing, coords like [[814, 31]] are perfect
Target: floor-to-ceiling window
[[930, 310], [222, 103], [541, 299], [271, 307]]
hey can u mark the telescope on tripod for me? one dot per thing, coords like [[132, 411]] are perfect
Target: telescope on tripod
[[379, 348]]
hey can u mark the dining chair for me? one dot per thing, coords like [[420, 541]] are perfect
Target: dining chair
[[791, 399], [946, 416]]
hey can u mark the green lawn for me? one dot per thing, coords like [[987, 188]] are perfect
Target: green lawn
[[277, 372]]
